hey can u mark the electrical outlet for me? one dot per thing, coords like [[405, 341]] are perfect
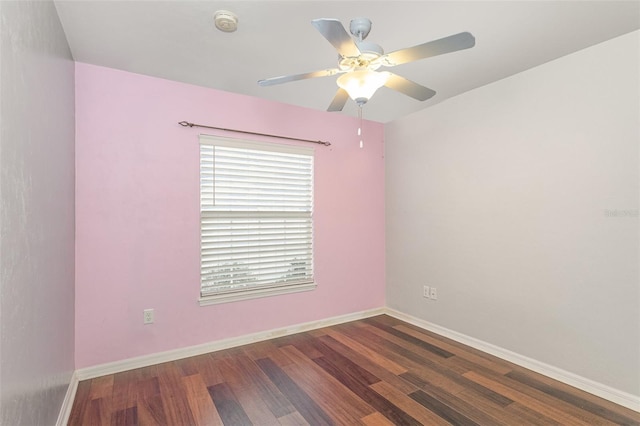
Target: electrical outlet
[[148, 316], [425, 291], [434, 293]]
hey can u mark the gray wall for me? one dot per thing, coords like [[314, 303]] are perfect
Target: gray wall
[[519, 202], [37, 214]]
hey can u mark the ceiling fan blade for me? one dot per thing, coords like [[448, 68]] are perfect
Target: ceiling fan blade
[[339, 100], [294, 77], [431, 48], [334, 32], [409, 88]]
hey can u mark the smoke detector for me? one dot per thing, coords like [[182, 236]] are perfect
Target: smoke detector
[[226, 21]]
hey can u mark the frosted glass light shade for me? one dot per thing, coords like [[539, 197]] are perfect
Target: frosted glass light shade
[[361, 85]]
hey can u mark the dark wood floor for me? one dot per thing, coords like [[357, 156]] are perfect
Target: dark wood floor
[[377, 371]]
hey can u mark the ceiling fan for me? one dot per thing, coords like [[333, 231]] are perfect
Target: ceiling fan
[[360, 60]]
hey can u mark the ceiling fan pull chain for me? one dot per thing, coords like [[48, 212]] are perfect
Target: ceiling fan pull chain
[[360, 128]]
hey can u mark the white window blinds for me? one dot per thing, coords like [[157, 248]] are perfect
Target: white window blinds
[[256, 216]]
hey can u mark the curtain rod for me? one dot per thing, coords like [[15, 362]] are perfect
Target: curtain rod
[[187, 124]]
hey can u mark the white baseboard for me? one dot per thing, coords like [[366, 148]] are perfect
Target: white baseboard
[[67, 403], [614, 395], [157, 358]]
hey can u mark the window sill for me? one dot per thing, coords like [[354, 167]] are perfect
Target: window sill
[[254, 294]]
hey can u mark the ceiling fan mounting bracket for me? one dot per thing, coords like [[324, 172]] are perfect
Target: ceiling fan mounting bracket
[[360, 27]]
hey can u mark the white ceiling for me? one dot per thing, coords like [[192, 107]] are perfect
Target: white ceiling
[[177, 40]]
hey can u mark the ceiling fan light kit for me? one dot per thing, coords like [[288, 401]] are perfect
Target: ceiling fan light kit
[[360, 60], [362, 84]]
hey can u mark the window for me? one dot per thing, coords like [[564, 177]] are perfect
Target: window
[[256, 227]]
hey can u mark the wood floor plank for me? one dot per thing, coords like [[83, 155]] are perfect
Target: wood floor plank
[[574, 399], [147, 372], [441, 409], [80, 402], [247, 393], [439, 374], [101, 387], [619, 409], [370, 396], [409, 338], [529, 401], [176, 407], [254, 377], [492, 364], [147, 388], [376, 419], [376, 371], [371, 366], [528, 416], [188, 366], [206, 367], [374, 356], [124, 392], [409, 405], [449, 344], [303, 342], [202, 408], [422, 376], [293, 419], [151, 410], [424, 370], [383, 319], [342, 405], [346, 365], [462, 363], [305, 405], [268, 350], [227, 405], [465, 384], [99, 409], [319, 332], [399, 354], [98, 412], [576, 411], [466, 407], [398, 346], [488, 406], [126, 417]]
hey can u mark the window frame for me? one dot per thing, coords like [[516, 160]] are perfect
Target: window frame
[[209, 298]]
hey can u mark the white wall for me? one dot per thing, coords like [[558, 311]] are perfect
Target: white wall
[[37, 214], [500, 198]]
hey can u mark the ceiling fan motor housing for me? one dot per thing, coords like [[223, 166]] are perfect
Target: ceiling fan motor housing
[[370, 50]]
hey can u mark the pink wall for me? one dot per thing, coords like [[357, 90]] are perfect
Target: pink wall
[[137, 241]]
